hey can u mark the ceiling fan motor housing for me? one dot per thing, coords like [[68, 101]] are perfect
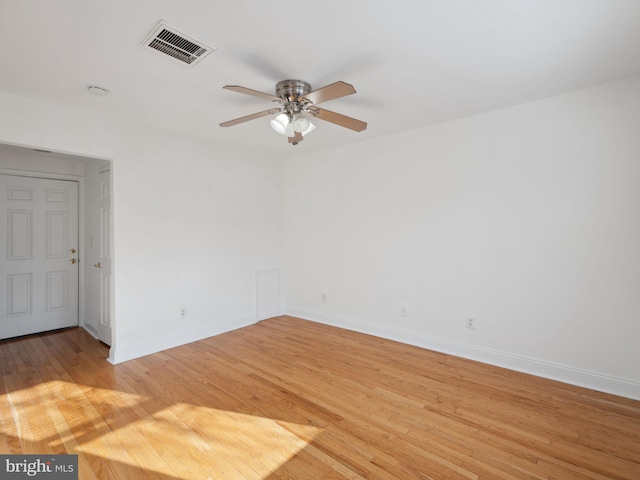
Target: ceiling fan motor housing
[[290, 90]]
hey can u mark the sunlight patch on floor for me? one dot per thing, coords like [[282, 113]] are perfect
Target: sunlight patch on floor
[[69, 411], [129, 432], [199, 442]]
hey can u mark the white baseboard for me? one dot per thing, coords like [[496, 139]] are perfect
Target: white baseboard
[[90, 330], [119, 355], [540, 368]]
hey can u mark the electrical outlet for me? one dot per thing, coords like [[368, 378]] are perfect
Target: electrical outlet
[[471, 323], [403, 311], [324, 298], [183, 312]]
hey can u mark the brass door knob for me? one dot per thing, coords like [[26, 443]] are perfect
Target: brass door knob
[[98, 265], [72, 261], [73, 250]]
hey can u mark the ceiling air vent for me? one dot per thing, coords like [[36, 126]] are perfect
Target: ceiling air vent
[[169, 41]]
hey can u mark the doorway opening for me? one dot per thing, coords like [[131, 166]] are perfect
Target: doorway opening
[[61, 239]]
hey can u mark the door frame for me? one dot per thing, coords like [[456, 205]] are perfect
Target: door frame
[[106, 169]]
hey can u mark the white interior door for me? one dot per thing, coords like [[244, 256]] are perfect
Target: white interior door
[[104, 264], [38, 255]]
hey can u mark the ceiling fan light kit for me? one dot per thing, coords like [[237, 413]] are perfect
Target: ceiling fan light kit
[[300, 123], [284, 125], [297, 102]]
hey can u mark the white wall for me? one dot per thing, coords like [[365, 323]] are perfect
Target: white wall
[[526, 219], [192, 222]]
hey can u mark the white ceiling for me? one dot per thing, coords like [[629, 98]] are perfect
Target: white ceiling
[[413, 63]]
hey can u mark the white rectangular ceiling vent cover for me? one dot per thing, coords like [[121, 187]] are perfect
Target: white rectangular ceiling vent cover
[[169, 41]]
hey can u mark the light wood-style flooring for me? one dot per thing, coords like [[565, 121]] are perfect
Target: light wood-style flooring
[[292, 399]]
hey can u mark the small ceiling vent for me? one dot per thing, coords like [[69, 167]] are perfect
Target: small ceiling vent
[[169, 41]]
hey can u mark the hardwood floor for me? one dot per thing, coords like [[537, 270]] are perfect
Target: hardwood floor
[[292, 399]]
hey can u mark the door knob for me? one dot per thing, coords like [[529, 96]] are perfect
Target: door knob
[[73, 250], [98, 265], [72, 261]]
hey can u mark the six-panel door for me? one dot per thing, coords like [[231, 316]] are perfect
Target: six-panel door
[[38, 255]]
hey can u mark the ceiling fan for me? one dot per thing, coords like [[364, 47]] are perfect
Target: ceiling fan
[[296, 102]]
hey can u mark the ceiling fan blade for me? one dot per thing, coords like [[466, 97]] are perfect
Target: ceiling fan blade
[[329, 92], [253, 93], [338, 119], [264, 113]]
